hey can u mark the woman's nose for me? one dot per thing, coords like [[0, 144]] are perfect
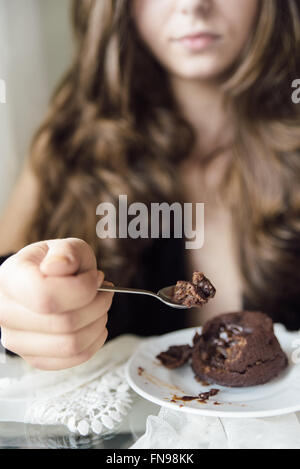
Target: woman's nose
[[193, 7]]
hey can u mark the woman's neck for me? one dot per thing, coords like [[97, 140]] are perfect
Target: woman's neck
[[204, 107]]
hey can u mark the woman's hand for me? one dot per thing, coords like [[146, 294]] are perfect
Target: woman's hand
[[50, 311]]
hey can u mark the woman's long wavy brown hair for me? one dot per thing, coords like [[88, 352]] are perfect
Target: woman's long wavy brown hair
[[113, 129]]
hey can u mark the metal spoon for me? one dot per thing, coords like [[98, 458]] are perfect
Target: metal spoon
[[165, 294]]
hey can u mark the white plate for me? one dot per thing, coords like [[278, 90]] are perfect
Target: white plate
[[159, 385]]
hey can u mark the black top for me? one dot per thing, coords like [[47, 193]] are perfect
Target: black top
[[162, 265]]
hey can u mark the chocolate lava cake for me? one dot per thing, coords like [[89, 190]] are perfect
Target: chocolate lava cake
[[235, 350], [194, 293]]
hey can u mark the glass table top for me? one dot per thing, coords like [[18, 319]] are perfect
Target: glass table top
[[26, 436]]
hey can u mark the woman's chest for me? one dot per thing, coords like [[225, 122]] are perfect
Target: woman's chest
[[218, 257]]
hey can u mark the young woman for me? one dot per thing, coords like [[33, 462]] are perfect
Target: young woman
[[167, 100]]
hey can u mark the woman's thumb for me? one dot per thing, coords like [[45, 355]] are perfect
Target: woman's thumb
[[60, 260]]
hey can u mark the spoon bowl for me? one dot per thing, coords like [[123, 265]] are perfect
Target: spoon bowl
[[166, 295]]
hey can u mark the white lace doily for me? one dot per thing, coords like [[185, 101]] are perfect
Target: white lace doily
[[98, 407], [91, 398]]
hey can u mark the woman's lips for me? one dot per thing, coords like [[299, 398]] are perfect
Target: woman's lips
[[197, 42]]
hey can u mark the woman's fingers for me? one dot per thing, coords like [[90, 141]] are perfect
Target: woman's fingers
[[21, 278], [44, 363], [51, 312], [48, 295], [62, 346], [16, 316], [67, 256]]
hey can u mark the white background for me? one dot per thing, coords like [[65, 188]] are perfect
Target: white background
[[35, 49]]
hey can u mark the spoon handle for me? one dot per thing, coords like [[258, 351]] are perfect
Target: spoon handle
[[127, 290]]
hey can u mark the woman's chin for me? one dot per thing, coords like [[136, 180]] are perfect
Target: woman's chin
[[197, 72]]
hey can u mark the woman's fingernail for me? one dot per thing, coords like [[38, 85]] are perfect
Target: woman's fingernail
[[57, 258], [100, 277], [108, 284]]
